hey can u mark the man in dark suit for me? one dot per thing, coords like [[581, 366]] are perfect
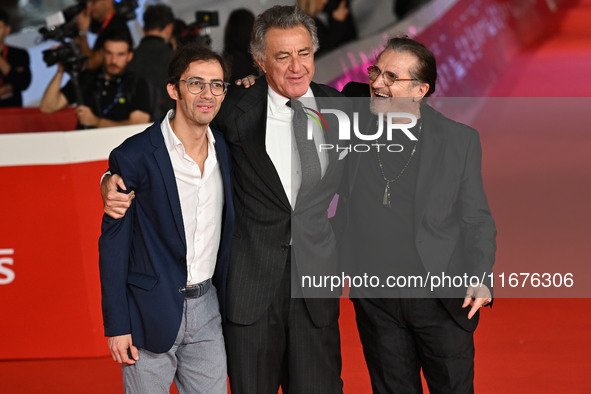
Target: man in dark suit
[[273, 339], [421, 210], [164, 264]]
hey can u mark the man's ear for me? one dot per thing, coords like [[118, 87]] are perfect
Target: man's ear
[[420, 91], [261, 63], [423, 89], [173, 92], [168, 31]]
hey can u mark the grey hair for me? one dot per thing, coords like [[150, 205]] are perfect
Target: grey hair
[[281, 17]]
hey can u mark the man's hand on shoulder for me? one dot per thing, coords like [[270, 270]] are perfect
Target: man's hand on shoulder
[[119, 346], [247, 81], [115, 203]]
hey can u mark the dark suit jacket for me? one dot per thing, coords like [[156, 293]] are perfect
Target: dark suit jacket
[[265, 222], [453, 228], [142, 256]]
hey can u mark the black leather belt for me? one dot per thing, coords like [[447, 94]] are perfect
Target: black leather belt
[[195, 291]]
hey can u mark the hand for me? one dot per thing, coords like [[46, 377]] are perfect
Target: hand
[[476, 297], [247, 81], [5, 91], [341, 12], [85, 116], [115, 203], [83, 18], [118, 346]]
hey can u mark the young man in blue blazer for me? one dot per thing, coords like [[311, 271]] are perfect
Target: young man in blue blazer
[[163, 265]]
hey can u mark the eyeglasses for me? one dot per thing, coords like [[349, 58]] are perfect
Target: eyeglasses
[[373, 72], [196, 86]]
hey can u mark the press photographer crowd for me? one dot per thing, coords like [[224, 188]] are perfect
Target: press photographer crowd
[[114, 82]]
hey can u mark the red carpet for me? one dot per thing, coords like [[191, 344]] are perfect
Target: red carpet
[[522, 345]]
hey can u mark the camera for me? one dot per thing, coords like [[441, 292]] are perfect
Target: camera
[[203, 21], [126, 8], [67, 54], [62, 25], [66, 15], [207, 18], [73, 10], [59, 33]]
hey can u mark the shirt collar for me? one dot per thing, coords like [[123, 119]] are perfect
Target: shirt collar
[[172, 141], [277, 102]]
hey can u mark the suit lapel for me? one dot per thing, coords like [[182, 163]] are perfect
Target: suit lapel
[[223, 162], [252, 126], [430, 161], [332, 132], [168, 177]]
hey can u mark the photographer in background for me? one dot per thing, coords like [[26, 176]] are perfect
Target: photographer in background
[[153, 54], [111, 95], [100, 18], [15, 74]]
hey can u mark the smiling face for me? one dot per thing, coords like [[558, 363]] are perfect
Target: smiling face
[[198, 109], [401, 96], [289, 60]]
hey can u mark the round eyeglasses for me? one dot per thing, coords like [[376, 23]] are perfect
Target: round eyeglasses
[[196, 86], [373, 72]]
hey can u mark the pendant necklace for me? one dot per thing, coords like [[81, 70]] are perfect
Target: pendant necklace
[[386, 199]]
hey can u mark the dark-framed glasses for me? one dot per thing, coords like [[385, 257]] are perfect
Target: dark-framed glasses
[[196, 85], [373, 72]]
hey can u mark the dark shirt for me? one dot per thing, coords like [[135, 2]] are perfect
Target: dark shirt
[[19, 76], [112, 99], [384, 235], [150, 61]]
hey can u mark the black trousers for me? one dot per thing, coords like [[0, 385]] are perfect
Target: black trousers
[[401, 336], [284, 348]]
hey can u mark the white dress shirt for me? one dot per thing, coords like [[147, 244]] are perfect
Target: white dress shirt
[[281, 146], [202, 203]]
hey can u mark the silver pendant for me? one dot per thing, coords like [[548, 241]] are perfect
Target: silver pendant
[[386, 200]]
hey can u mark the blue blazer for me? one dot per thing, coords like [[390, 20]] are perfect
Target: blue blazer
[[142, 256]]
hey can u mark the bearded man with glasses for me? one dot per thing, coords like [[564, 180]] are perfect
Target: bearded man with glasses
[[417, 211], [163, 266]]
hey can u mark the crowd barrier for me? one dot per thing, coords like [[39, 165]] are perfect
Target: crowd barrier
[[32, 120]]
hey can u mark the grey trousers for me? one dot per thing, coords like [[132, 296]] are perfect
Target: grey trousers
[[196, 361]]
